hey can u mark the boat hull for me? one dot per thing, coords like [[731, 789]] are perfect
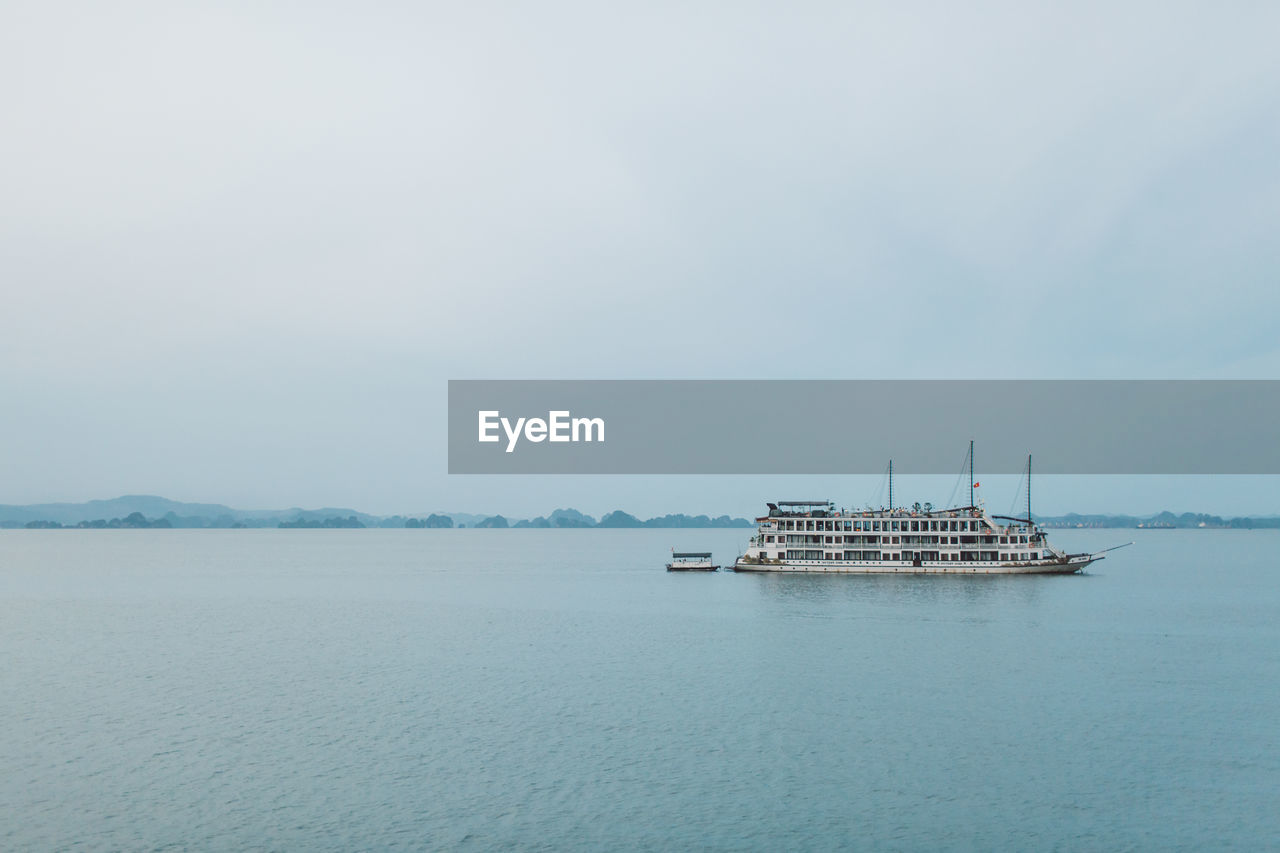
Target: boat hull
[[1073, 565]]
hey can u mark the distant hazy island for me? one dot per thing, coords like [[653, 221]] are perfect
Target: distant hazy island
[[149, 511], [1162, 521]]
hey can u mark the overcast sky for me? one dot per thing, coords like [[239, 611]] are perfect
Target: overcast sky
[[242, 248]]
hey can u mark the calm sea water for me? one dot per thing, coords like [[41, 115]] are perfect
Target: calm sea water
[[377, 689]]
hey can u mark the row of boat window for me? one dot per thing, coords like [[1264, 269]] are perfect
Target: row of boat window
[[874, 524], [807, 539], [971, 556]]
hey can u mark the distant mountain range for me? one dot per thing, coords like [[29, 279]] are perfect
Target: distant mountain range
[[149, 511], [1162, 521], [177, 513]]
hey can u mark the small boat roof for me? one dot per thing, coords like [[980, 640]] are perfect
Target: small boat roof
[[804, 503], [685, 555]]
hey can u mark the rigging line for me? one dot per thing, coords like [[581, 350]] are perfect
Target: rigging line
[[964, 467], [1022, 478], [1018, 492], [879, 495]]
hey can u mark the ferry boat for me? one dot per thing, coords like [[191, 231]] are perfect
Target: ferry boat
[[691, 561], [813, 536]]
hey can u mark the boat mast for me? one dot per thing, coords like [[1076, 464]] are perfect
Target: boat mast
[[971, 472], [1028, 491], [890, 484]]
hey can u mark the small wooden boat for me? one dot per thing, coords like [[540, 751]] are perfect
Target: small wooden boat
[[691, 561]]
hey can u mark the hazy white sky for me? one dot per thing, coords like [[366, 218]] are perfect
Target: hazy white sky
[[242, 248]]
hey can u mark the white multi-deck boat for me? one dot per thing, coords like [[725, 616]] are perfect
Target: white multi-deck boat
[[813, 536]]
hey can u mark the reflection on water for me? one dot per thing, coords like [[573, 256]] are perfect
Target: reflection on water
[[907, 591]]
